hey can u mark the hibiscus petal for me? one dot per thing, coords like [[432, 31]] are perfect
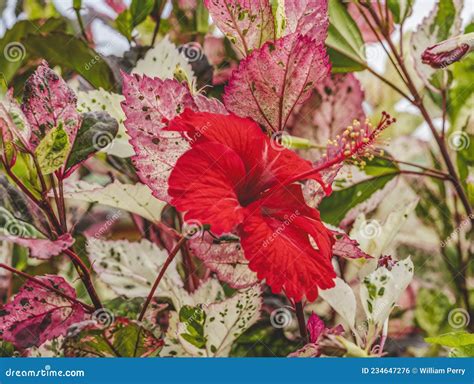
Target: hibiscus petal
[[203, 184], [266, 162], [279, 236]]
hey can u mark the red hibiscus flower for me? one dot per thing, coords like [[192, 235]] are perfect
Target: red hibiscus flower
[[236, 179]]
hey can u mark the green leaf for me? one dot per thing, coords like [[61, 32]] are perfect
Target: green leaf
[[132, 17], [122, 338], [97, 131], [202, 18], [335, 207], [464, 351], [12, 45], [39, 9], [400, 9], [123, 23], [194, 319], [139, 10], [130, 340], [452, 339], [380, 166], [52, 150], [432, 308], [25, 170], [345, 42], [461, 94], [73, 53]]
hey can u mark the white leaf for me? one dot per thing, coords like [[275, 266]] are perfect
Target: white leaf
[[342, 299], [208, 292], [101, 100], [375, 238], [130, 269], [225, 322], [382, 288], [434, 29], [161, 61], [173, 346], [134, 198], [6, 254]]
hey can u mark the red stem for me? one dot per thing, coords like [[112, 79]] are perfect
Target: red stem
[[165, 266], [301, 321], [85, 276]]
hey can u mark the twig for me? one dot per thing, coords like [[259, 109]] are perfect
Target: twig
[[165, 266], [81, 23], [301, 321], [418, 102], [85, 276]]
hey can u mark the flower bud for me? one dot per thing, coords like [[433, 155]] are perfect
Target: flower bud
[[448, 51]]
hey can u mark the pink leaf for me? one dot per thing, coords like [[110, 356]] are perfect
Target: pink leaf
[[271, 81], [247, 23], [347, 247], [149, 104], [333, 105], [226, 259], [43, 248], [308, 17], [313, 191], [48, 101], [315, 327], [37, 314]]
